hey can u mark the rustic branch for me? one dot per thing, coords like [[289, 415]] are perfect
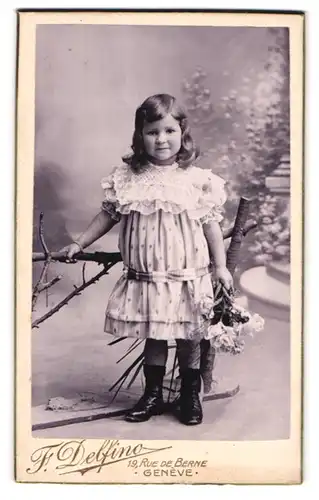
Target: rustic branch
[[251, 224], [40, 285], [50, 283], [41, 235], [65, 301], [83, 273], [99, 257], [237, 234]]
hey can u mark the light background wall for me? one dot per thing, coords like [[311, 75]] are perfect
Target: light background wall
[[90, 79]]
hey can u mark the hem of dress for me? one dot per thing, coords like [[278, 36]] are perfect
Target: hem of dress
[[138, 330], [156, 337]]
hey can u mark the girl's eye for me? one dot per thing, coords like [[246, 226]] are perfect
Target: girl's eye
[[167, 131]]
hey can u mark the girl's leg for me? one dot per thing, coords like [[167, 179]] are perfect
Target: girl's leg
[[189, 354], [151, 403], [207, 364], [155, 352]]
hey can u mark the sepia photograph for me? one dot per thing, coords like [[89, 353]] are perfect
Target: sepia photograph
[[162, 227]]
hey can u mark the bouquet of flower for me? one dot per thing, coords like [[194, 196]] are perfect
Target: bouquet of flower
[[228, 322]]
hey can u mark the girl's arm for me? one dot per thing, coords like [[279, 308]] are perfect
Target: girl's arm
[[214, 238], [100, 225]]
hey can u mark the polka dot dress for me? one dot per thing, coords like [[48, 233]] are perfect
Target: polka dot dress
[[158, 241]]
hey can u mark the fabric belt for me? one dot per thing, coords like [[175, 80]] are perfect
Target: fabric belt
[[165, 276]]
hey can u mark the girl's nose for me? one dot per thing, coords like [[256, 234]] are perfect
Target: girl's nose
[[161, 138]]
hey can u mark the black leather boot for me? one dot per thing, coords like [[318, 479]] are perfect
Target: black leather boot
[[190, 408], [151, 403]]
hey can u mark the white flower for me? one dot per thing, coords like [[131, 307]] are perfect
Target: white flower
[[226, 340], [214, 331], [255, 324], [242, 311], [206, 306]]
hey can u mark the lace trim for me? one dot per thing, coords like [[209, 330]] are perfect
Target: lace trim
[[215, 214], [199, 192]]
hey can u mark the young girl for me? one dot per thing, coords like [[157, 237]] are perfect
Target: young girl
[[169, 235]]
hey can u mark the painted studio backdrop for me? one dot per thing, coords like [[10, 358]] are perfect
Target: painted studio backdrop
[[234, 83]]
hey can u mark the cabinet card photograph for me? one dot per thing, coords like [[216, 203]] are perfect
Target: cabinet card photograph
[[159, 204]]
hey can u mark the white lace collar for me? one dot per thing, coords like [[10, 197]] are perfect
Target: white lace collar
[[155, 166], [169, 188]]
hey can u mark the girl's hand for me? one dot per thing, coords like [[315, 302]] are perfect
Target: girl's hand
[[222, 274], [70, 251]]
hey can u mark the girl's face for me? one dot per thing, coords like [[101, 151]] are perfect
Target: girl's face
[[162, 139]]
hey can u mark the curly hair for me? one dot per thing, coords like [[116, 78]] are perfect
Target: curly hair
[[155, 108]]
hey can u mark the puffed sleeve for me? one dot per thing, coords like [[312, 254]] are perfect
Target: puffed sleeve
[[213, 197], [109, 204]]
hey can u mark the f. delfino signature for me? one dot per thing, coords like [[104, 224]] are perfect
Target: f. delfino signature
[[72, 456]]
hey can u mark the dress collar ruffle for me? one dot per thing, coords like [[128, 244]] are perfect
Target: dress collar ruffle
[[169, 188]]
